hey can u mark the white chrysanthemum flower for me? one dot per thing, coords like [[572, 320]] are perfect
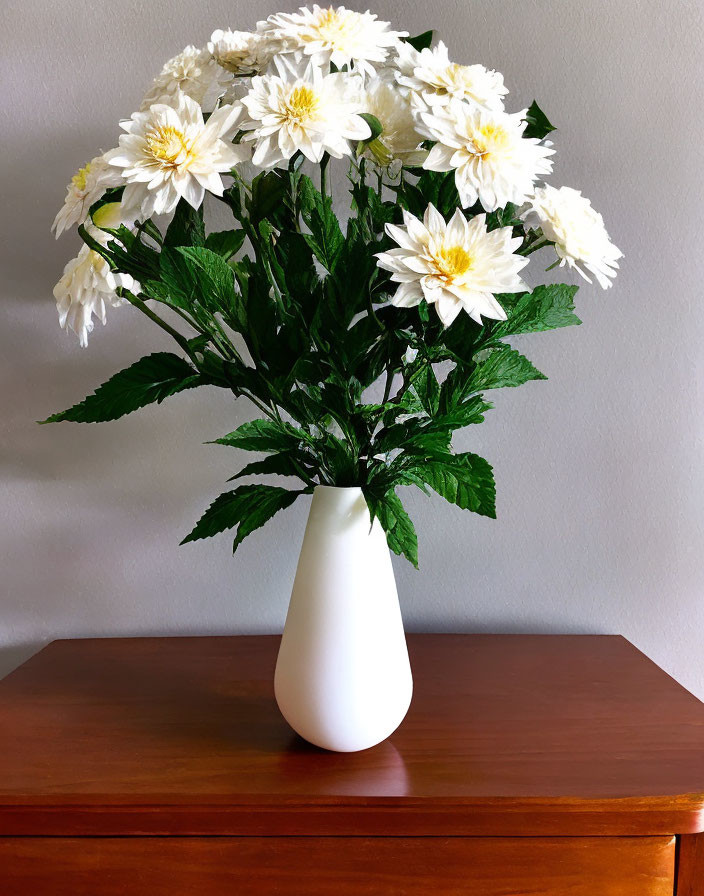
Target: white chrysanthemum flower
[[242, 52], [337, 35], [88, 285], [493, 162], [399, 140], [581, 240], [86, 187], [432, 75], [453, 266], [169, 153], [193, 72], [300, 108]]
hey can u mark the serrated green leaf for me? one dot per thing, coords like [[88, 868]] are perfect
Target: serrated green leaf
[[466, 480], [151, 379], [263, 435], [538, 124], [197, 278], [325, 238], [126, 253], [503, 367], [210, 276], [546, 308], [424, 383], [247, 507], [225, 243], [400, 532], [465, 413], [283, 464]]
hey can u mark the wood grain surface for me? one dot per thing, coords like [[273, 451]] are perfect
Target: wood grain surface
[[507, 735], [690, 865], [250, 866]]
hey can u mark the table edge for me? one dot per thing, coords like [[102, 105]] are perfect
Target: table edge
[[242, 816]]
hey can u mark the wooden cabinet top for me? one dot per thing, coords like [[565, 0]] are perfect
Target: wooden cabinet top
[[507, 735]]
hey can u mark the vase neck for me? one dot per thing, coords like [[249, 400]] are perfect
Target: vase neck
[[339, 500]]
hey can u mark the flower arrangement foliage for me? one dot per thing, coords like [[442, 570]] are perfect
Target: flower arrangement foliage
[[364, 340]]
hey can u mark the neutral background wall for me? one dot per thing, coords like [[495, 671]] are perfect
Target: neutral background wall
[[599, 470]]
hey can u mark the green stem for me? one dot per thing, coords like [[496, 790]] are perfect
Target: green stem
[[389, 383], [153, 231], [533, 247], [301, 472], [272, 415], [138, 303], [325, 161]]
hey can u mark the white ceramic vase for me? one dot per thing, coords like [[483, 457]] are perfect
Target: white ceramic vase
[[343, 679]]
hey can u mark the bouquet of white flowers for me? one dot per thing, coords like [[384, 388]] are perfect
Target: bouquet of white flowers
[[364, 337]]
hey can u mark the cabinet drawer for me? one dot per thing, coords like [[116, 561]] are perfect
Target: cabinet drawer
[[343, 866]]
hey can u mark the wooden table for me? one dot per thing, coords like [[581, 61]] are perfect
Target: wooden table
[[560, 765]]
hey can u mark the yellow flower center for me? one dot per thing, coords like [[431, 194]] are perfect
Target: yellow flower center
[[490, 137], [456, 74], [96, 261], [169, 145], [330, 26], [453, 261], [301, 103], [80, 177]]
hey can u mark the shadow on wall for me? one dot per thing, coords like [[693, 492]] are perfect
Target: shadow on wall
[[14, 656]]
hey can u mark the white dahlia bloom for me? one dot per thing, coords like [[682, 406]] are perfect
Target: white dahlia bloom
[[86, 187], [493, 162], [169, 153], [300, 108], [453, 266], [399, 140], [193, 72], [337, 35], [88, 285], [432, 75], [242, 52], [577, 230]]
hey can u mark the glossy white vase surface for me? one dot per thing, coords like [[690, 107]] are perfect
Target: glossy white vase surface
[[343, 679]]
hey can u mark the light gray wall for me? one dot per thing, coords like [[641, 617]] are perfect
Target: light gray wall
[[599, 470]]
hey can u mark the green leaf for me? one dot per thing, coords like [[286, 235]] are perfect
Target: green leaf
[[503, 367], [456, 386], [339, 460], [546, 308], [283, 464], [504, 217], [538, 124], [400, 532], [247, 507], [225, 242], [267, 199], [420, 41], [254, 312], [151, 379], [127, 253], [186, 227], [263, 435], [466, 480], [198, 277], [460, 414], [425, 385], [325, 238], [375, 126]]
